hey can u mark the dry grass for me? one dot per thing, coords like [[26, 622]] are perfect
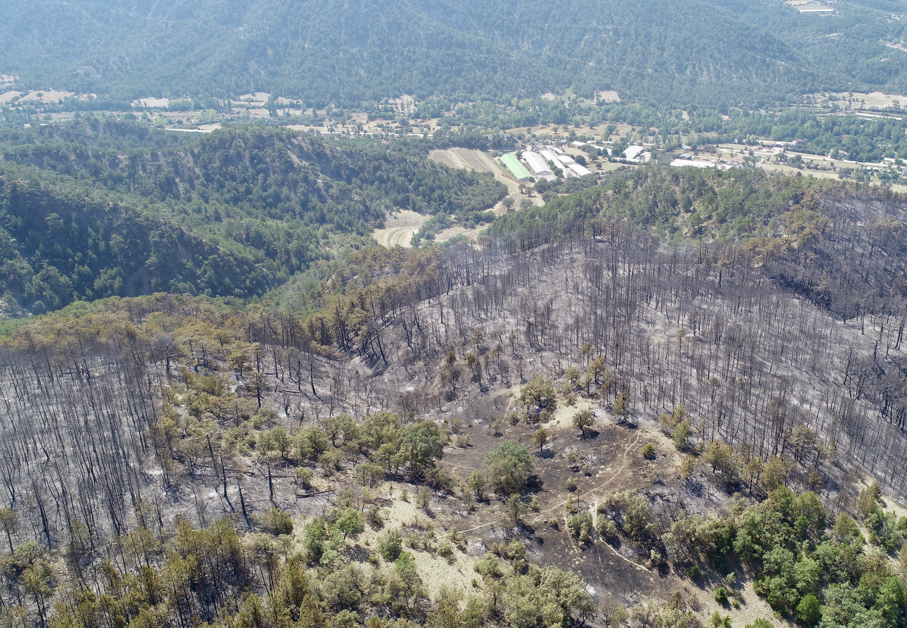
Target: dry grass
[[9, 96], [872, 100], [46, 97]]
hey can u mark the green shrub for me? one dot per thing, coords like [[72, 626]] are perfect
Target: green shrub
[[721, 595], [423, 497], [809, 610], [580, 525], [374, 519], [648, 451], [445, 550], [508, 467], [305, 477], [606, 529], [278, 522], [391, 545], [694, 572], [311, 443]]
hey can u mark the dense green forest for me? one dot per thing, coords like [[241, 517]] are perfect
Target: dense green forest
[[679, 205], [103, 208], [709, 53]]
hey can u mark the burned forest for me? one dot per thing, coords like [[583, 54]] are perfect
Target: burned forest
[[567, 424]]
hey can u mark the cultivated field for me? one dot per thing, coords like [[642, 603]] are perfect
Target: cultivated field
[[467, 159]]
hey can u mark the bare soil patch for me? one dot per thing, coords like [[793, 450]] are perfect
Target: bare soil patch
[[152, 103], [608, 95], [258, 98], [399, 228]]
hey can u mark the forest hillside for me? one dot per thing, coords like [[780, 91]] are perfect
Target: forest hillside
[[103, 208], [707, 53]]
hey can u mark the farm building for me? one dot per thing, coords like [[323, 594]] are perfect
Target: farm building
[[571, 168], [694, 163], [579, 170], [549, 155], [633, 152], [517, 169], [539, 166]]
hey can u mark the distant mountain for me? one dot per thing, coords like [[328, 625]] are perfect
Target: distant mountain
[[673, 51]]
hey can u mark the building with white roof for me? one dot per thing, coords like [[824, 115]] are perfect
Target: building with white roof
[[633, 152], [579, 170], [538, 165]]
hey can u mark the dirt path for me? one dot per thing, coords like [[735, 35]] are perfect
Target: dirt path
[[632, 445]]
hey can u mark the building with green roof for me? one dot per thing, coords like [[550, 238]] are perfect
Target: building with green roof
[[515, 167]]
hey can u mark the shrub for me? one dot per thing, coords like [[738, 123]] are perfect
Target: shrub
[[445, 550], [809, 611], [305, 477], [391, 545], [515, 509], [537, 397], [648, 451], [606, 529], [423, 497], [311, 443], [694, 572], [580, 525], [476, 482], [330, 461], [571, 484], [374, 519], [721, 595], [278, 522], [718, 620], [489, 567], [440, 479], [508, 467]]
